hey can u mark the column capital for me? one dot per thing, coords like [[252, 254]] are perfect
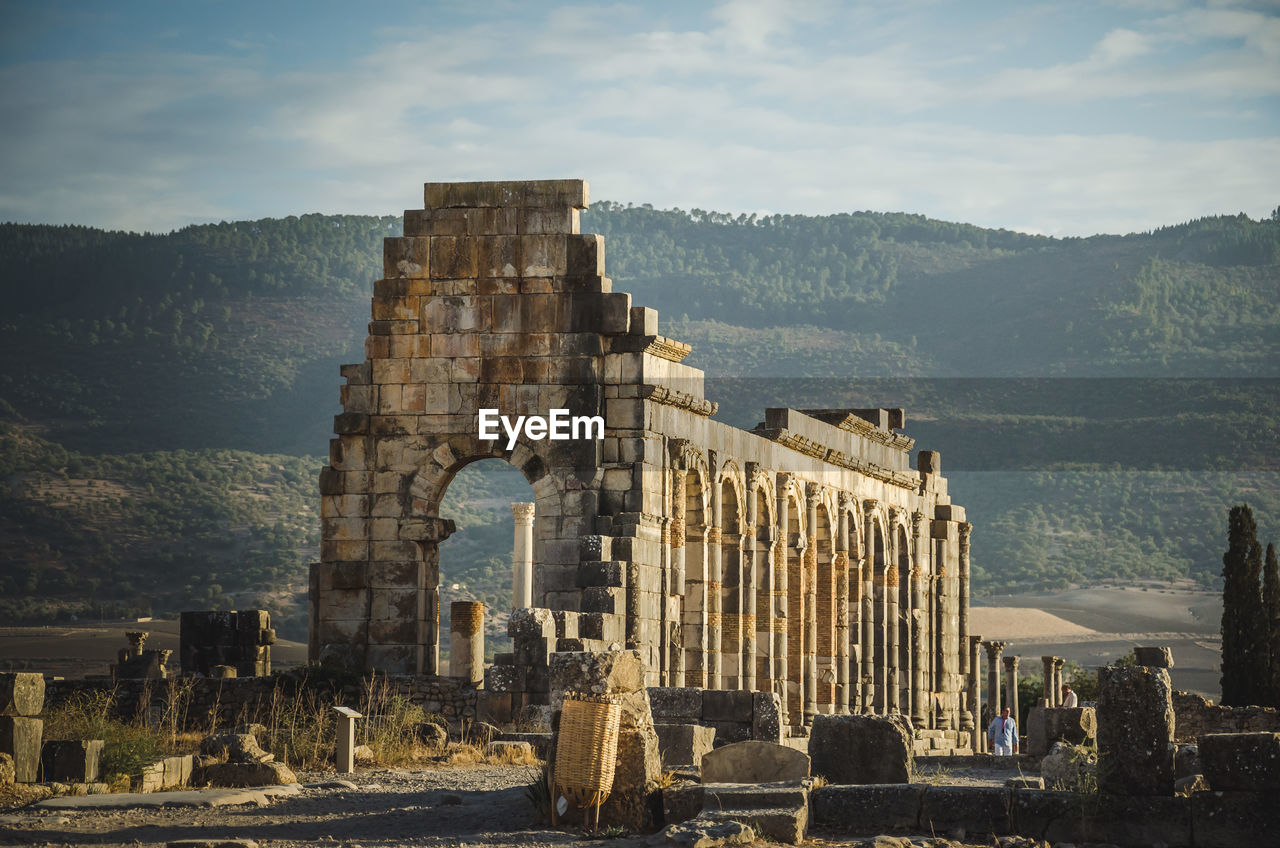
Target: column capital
[[870, 504], [522, 512], [1011, 661], [917, 518], [975, 640], [994, 649], [1059, 662]]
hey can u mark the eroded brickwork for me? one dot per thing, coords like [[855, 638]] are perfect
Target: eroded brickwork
[[805, 557]]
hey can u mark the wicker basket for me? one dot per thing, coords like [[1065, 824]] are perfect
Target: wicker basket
[[586, 750]]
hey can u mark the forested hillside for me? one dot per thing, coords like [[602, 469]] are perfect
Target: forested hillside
[[167, 399]]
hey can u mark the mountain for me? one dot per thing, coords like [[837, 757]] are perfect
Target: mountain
[[167, 399]]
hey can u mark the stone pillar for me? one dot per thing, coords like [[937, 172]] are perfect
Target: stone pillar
[[346, 742], [1051, 692], [466, 640], [1135, 731], [1011, 687], [750, 584], [811, 606], [522, 556], [840, 566], [1058, 663], [782, 599], [892, 626], [963, 611], [715, 601], [868, 607], [975, 696], [994, 649], [678, 582]]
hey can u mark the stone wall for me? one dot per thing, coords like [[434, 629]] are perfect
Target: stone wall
[[239, 700], [736, 715], [1196, 716], [806, 558]]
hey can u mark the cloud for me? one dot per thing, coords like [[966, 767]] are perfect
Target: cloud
[[748, 110]]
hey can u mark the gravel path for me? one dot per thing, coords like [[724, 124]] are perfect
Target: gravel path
[[467, 805]]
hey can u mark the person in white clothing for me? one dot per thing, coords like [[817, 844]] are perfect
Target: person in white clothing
[[1003, 734], [1069, 698]]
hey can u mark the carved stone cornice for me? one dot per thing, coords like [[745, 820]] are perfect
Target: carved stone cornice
[[680, 400], [668, 349], [809, 447]]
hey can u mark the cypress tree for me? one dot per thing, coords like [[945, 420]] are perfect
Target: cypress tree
[[1271, 607], [1245, 672]]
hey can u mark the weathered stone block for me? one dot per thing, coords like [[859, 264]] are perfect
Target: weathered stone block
[[684, 744], [766, 717], [754, 762], [727, 705], [1074, 725], [1232, 819], [1157, 657], [1242, 762], [1069, 767], [867, 809], [1135, 731], [979, 810], [20, 738], [861, 748], [602, 673], [21, 693], [676, 702], [6, 769], [74, 761]]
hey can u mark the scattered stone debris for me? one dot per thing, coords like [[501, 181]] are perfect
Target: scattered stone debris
[[702, 834]]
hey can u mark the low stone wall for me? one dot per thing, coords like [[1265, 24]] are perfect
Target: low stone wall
[[1204, 820], [1195, 716], [239, 700], [736, 714]]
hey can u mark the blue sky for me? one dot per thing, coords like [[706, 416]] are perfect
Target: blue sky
[[1064, 118]]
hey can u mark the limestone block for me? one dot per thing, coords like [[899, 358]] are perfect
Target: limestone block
[[531, 623], [405, 257], [1135, 731], [602, 626], [602, 673], [1158, 657], [244, 774], [862, 748], [867, 809], [1248, 762], [1069, 767], [74, 761], [727, 705], [684, 744], [766, 717], [6, 769], [21, 693], [1231, 819], [676, 702], [948, 807], [20, 738], [754, 762], [1186, 761], [1037, 741], [1075, 725]]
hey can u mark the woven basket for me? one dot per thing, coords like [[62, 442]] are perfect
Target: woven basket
[[586, 751]]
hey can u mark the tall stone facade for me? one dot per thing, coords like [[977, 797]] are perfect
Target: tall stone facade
[[804, 557]]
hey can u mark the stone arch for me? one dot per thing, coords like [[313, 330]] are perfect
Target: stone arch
[[691, 517], [904, 623], [763, 506], [793, 539], [878, 565], [824, 593]]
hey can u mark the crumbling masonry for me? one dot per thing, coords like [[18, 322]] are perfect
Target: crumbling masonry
[[804, 557]]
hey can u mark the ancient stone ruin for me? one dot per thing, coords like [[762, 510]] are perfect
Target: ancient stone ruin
[[226, 643], [804, 557]]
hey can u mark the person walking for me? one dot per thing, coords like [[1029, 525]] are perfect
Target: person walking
[[1069, 698], [1003, 734]]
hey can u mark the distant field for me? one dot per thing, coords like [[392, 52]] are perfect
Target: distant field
[[1098, 625], [79, 650]]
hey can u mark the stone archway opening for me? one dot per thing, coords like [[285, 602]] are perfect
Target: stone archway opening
[[477, 560]]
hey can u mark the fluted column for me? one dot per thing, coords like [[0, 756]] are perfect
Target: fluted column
[[869, 642], [963, 612], [1051, 692], [1058, 662], [1011, 685], [522, 556], [840, 565], [750, 545], [994, 649], [975, 696]]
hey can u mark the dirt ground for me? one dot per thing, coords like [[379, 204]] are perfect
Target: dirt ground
[[455, 806]]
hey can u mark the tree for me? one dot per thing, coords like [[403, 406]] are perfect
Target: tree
[[1271, 608], [1245, 672]]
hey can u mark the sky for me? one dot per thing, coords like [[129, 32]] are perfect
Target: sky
[[1064, 118]]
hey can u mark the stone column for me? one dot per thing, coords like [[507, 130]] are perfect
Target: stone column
[[811, 605], [715, 599], [677, 669], [868, 607], [750, 546], [975, 696], [1058, 662], [782, 599], [892, 626], [466, 641], [965, 530], [1011, 686], [994, 649], [1051, 693], [522, 556], [666, 592], [840, 566]]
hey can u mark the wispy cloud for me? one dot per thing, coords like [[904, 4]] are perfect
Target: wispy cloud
[[823, 108]]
